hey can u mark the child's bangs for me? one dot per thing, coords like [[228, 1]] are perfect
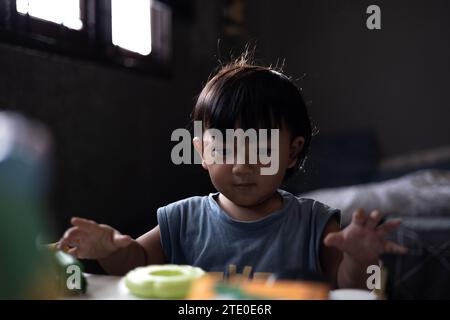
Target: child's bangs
[[244, 107]]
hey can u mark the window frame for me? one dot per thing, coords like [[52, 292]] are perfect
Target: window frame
[[93, 41]]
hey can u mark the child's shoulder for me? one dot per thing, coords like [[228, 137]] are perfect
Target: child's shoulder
[[187, 204], [309, 204], [186, 212]]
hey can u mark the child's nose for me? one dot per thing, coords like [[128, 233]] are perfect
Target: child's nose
[[243, 169]]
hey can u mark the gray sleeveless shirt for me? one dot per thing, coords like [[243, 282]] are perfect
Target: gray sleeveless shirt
[[198, 232]]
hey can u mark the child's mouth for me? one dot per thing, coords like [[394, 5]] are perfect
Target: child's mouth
[[245, 185]]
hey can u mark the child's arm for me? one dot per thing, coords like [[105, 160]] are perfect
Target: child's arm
[[330, 257], [346, 254], [115, 252], [145, 250]]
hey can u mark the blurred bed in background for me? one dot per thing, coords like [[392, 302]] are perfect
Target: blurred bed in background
[[347, 171]]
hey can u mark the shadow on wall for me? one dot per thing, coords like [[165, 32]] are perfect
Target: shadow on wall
[[338, 160]]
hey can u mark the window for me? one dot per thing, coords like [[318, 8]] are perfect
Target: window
[[131, 25], [65, 12], [134, 34]]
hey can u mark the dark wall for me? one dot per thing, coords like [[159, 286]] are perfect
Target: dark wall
[[395, 81]]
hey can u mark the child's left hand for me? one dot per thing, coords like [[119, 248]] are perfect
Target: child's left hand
[[364, 239]]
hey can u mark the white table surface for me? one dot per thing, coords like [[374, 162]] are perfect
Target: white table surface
[[105, 287]]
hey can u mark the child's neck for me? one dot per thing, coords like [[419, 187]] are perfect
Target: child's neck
[[259, 211]]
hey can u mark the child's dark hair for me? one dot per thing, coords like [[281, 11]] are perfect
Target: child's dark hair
[[256, 97]]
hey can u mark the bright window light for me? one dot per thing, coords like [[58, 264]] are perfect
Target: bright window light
[[66, 12], [131, 28]]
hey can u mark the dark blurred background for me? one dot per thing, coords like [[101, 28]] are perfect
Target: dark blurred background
[[385, 92]]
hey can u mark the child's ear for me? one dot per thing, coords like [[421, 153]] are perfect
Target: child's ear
[[294, 150], [197, 142]]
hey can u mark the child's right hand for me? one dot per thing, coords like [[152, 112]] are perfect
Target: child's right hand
[[90, 240]]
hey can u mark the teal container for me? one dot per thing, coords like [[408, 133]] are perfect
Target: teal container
[[23, 188]]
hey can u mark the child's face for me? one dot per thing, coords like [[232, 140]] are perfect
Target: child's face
[[243, 184]]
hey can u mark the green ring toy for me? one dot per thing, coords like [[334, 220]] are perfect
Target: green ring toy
[[162, 281]]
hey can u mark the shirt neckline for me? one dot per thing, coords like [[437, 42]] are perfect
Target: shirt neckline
[[250, 225]]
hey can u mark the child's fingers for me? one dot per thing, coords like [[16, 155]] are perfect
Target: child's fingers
[[61, 245], [83, 223], [334, 239], [72, 237], [73, 251], [359, 217], [392, 247], [65, 245], [388, 227], [72, 232], [373, 219]]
